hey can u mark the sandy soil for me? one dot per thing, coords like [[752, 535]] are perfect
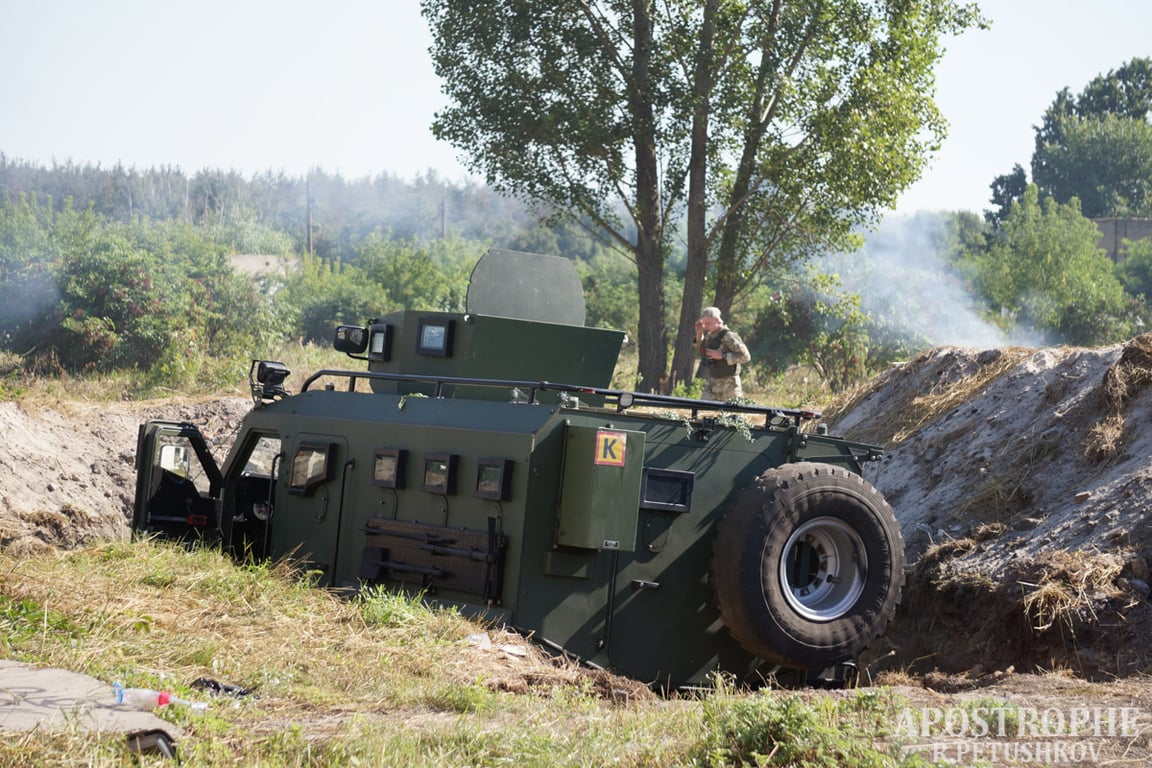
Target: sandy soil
[[67, 468], [1022, 481]]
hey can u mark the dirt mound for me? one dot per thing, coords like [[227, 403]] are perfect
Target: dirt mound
[[1021, 479], [67, 469]]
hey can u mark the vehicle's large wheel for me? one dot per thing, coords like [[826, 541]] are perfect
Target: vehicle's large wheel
[[808, 565]]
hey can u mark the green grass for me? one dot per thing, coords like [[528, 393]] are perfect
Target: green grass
[[378, 680], [209, 377]]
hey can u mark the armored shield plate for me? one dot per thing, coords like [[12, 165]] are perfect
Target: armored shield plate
[[526, 286]]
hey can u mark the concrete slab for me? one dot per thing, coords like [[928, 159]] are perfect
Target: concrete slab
[[56, 699]]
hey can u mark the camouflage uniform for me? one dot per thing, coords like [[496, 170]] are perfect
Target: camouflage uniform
[[722, 377]]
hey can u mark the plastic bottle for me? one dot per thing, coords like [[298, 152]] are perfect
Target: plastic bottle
[[146, 699]]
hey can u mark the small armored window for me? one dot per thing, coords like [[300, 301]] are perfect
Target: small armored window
[[262, 459], [435, 337], [493, 479], [311, 466], [667, 490], [388, 467], [380, 342], [440, 473]]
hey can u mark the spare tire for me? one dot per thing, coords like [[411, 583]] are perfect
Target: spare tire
[[808, 565]]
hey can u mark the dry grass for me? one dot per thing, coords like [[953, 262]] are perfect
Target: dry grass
[[1132, 371], [1122, 381], [997, 499], [320, 667], [195, 614], [801, 386], [849, 399], [911, 408], [1069, 582], [216, 378], [927, 408], [1105, 438], [383, 680]]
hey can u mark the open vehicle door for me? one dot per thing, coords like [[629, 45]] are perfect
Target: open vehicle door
[[178, 482]]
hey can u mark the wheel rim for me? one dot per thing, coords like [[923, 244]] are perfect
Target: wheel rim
[[823, 569]]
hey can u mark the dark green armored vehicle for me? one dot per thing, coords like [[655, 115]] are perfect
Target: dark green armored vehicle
[[483, 460]]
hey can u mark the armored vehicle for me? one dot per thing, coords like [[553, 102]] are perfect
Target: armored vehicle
[[483, 460]]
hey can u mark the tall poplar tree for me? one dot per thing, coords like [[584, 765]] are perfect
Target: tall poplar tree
[[769, 129]]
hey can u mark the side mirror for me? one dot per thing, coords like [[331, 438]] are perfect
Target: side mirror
[[351, 339], [271, 374], [269, 383]]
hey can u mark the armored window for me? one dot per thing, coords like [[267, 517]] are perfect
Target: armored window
[[262, 459], [380, 342], [493, 479], [388, 467], [311, 466], [440, 473], [435, 337], [667, 490]]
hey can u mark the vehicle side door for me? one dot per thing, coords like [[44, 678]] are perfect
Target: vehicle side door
[[306, 520], [178, 482]]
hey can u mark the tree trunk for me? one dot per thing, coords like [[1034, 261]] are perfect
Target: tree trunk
[[696, 264], [729, 258], [653, 335]]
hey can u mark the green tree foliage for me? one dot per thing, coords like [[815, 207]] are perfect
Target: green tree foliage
[[430, 277], [609, 294], [1006, 189], [244, 233], [323, 294], [267, 212], [27, 253], [851, 315], [839, 349], [790, 122], [1125, 92], [1104, 161], [1135, 274], [386, 276], [1045, 272], [785, 323], [117, 306], [1098, 146], [90, 294], [810, 319]]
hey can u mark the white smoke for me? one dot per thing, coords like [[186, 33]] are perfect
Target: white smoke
[[27, 299], [903, 278]]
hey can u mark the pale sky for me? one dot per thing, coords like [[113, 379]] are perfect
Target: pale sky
[[347, 86]]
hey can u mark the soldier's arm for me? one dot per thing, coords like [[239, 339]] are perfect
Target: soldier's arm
[[699, 340], [735, 350]]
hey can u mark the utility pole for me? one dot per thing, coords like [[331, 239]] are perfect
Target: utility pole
[[308, 195]]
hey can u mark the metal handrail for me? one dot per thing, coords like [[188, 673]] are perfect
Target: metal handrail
[[631, 398]]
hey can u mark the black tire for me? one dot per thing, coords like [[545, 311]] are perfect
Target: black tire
[[808, 565]]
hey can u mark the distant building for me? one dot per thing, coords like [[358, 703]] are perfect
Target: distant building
[[1116, 231], [259, 265]]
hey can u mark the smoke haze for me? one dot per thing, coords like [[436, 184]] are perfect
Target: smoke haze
[[903, 278]]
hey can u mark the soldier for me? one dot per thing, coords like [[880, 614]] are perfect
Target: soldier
[[721, 352]]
